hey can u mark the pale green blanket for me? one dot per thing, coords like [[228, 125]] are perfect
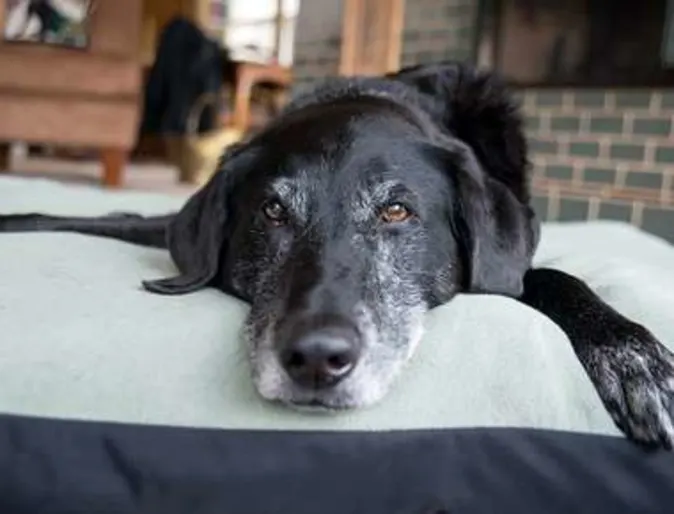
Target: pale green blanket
[[79, 338]]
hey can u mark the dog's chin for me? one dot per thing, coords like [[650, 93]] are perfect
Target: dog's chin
[[330, 402]]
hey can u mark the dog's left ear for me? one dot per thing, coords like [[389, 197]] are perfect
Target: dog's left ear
[[497, 233], [485, 154], [197, 235]]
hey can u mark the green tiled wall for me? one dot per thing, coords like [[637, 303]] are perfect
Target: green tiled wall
[[595, 153], [603, 154]]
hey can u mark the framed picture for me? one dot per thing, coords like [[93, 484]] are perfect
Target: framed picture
[[51, 22]]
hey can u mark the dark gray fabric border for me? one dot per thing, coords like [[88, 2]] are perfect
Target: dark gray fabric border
[[52, 466]]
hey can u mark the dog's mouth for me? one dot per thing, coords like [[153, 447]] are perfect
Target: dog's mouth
[[310, 382], [316, 405]]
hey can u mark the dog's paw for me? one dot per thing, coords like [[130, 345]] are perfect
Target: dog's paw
[[634, 376]]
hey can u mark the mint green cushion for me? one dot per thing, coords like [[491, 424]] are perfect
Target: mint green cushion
[[79, 338]]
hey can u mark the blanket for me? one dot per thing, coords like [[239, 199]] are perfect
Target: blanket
[[80, 340]]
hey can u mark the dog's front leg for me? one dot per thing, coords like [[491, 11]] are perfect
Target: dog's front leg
[[631, 370]]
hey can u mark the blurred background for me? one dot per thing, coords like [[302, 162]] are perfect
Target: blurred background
[[145, 94]]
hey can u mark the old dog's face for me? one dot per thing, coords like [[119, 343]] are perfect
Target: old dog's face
[[342, 244], [346, 220]]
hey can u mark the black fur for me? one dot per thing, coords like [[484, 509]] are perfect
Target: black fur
[[329, 272]]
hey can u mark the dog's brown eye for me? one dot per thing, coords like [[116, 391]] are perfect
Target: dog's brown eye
[[275, 212], [395, 213]]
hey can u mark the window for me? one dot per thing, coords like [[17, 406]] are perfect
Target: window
[[261, 30], [579, 42]]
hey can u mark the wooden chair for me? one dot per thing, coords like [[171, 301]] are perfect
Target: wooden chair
[[81, 98]]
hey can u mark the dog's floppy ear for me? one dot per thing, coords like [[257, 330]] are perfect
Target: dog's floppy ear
[[197, 234], [481, 132], [496, 232]]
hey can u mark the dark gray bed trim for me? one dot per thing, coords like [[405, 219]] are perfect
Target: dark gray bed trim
[[52, 466]]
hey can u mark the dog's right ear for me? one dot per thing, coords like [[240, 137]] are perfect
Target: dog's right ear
[[197, 235]]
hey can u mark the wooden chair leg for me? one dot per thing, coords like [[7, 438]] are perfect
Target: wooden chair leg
[[4, 157], [114, 160]]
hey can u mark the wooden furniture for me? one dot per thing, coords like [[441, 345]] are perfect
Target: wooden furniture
[[371, 36], [80, 98], [248, 75]]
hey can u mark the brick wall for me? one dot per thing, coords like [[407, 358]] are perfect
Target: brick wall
[[437, 30], [317, 41], [433, 30], [596, 153], [603, 154]]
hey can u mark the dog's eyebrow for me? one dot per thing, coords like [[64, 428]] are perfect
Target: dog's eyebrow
[[372, 198], [389, 189], [291, 195]]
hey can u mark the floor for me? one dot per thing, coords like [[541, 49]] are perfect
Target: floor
[[154, 176]]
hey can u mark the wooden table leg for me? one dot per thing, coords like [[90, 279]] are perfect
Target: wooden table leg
[[113, 160], [4, 157]]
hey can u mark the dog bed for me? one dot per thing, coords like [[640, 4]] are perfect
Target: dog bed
[[114, 400]]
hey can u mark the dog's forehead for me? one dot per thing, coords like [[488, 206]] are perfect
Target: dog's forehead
[[320, 129], [367, 162], [349, 140], [354, 153]]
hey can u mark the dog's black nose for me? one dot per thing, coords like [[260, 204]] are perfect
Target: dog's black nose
[[321, 358]]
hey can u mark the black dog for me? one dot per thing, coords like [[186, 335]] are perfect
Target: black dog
[[366, 203]]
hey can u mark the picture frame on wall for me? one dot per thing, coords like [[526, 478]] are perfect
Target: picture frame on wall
[[63, 23]]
